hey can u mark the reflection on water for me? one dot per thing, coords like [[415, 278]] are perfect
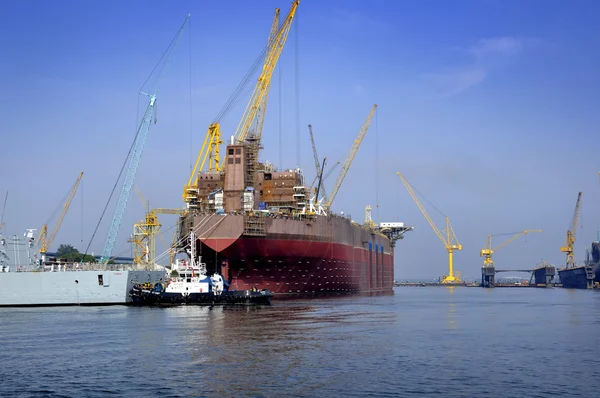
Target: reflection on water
[[451, 341], [451, 308]]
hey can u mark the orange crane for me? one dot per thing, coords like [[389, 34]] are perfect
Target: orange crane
[[43, 241], [448, 237], [571, 235]]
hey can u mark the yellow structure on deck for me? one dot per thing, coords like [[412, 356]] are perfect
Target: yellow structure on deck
[[571, 235], [368, 218], [43, 241], [448, 237], [487, 251]]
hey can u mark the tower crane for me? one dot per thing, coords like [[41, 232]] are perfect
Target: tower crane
[[487, 251], [348, 162], [43, 241], [571, 235], [448, 237], [137, 149]]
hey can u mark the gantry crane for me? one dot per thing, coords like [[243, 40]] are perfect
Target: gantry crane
[[137, 149], [571, 235], [43, 241], [355, 145], [448, 237], [487, 251]]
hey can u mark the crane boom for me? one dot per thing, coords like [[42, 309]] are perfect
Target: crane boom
[[249, 119], [348, 162], [47, 242], [420, 206], [322, 190], [3, 209], [572, 234], [138, 147], [487, 251], [450, 240], [262, 110]]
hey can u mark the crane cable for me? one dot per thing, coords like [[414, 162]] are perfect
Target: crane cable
[[241, 90], [130, 148]]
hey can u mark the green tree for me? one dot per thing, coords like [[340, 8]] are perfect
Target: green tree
[[79, 257], [63, 250]]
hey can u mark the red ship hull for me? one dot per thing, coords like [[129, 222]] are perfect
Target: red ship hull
[[330, 255]]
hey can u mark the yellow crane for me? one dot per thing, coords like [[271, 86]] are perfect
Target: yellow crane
[[571, 235], [253, 118], [487, 251], [144, 233], [43, 241], [348, 162], [251, 121], [448, 237], [368, 218]]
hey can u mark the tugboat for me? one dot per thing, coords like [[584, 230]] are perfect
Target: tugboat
[[190, 284]]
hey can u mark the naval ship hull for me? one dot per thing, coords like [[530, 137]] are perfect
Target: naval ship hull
[[288, 256], [19, 289], [580, 277]]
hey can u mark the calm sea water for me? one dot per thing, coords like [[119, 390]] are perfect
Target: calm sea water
[[445, 342]]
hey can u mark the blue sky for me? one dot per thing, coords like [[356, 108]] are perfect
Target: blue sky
[[489, 108]]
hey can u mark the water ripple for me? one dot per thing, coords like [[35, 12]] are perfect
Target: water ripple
[[429, 341]]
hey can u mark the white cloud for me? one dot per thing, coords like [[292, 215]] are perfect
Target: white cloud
[[485, 56], [454, 82], [358, 88], [505, 46], [347, 19]]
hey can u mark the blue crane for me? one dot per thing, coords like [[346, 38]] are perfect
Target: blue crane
[[138, 146]]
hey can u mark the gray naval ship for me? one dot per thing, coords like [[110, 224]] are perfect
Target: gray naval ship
[[25, 282]]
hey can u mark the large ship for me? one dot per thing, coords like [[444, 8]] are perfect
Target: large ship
[[257, 228], [24, 281], [575, 276], [592, 258], [265, 228]]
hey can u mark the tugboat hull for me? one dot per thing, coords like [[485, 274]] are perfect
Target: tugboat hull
[[141, 295]]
